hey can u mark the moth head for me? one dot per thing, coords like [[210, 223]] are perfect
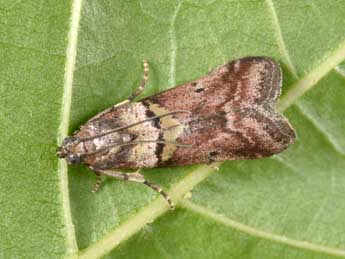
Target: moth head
[[67, 150]]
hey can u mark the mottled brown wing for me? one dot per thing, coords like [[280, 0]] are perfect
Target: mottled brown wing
[[230, 116], [242, 82], [247, 133]]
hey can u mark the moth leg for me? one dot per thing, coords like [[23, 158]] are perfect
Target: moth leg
[[136, 93], [141, 87], [211, 157], [158, 189], [139, 178], [98, 183]]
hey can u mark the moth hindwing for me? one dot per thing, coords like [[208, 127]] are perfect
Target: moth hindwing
[[226, 115]]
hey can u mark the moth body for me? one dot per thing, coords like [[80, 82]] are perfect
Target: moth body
[[226, 115]]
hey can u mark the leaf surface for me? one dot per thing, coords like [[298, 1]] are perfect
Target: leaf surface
[[61, 64]]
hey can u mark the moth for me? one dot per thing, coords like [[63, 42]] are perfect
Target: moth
[[226, 115]]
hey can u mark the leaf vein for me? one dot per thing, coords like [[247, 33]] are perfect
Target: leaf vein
[[305, 83], [260, 233], [280, 40], [332, 142], [286, 164], [173, 46], [71, 53]]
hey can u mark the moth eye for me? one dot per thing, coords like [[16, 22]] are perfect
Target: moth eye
[[74, 159]]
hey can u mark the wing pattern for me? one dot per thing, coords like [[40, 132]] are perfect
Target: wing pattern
[[225, 115], [232, 113]]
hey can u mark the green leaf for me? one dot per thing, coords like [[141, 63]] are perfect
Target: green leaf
[[61, 63]]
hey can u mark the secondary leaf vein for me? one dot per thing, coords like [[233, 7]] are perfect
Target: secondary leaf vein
[[173, 47], [310, 79], [260, 233], [280, 39], [332, 142]]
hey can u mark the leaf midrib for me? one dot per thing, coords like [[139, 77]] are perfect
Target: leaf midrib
[[71, 54]]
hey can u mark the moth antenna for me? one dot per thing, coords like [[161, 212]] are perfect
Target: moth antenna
[[133, 124], [171, 127], [159, 142], [139, 178], [139, 142], [141, 87]]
